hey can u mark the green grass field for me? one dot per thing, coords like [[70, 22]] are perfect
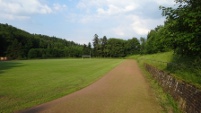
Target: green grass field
[[27, 83]]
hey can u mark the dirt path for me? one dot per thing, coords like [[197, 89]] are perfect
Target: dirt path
[[122, 90]]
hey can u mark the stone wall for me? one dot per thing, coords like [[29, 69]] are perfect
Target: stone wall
[[187, 96]]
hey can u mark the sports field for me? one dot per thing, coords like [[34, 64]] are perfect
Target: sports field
[[27, 83]]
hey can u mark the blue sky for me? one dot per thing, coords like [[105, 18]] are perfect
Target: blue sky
[[79, 20]]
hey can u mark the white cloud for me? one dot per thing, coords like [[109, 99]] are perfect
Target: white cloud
[[24, 6], [83, 4], [139, 25], [12, 17], [165, 2], [119, 31], [59, 7], [130, 8], [22, 9], [112, 9], [129, 17]]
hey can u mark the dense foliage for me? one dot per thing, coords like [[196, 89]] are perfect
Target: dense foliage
[[157, 41], [184, 25], [181, 31], [19, 44], [115, 47]]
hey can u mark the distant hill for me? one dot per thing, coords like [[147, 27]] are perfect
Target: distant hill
[[19, 44]]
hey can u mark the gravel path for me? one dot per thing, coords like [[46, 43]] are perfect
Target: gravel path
[[122, 90]]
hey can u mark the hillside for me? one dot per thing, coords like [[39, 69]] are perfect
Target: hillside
[[18, 44]]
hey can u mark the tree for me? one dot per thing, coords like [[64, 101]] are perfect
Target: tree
[[3, 45], [89, 47], [116, 47], [132, 46], [142, 45], [103, 46], [14, 50], [158, 40], [96, 45], [183, 23], [86, 50]]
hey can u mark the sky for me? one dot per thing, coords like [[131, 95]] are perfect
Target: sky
[[79, 20]]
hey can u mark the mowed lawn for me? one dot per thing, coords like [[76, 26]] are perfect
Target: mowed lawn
[[27, 83]]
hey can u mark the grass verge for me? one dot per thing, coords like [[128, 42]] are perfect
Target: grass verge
[[27, 83]]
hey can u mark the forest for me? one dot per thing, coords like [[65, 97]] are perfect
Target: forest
[[18, 44], [181, 33]]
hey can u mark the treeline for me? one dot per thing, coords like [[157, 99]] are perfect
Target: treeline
[[181, 31], [19, 44], [114, 47]]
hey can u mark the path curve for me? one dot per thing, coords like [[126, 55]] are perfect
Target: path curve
[[122, 90]]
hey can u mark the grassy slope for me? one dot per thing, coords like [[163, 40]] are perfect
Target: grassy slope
[[153, 58], [31, 82], [184, 69]]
